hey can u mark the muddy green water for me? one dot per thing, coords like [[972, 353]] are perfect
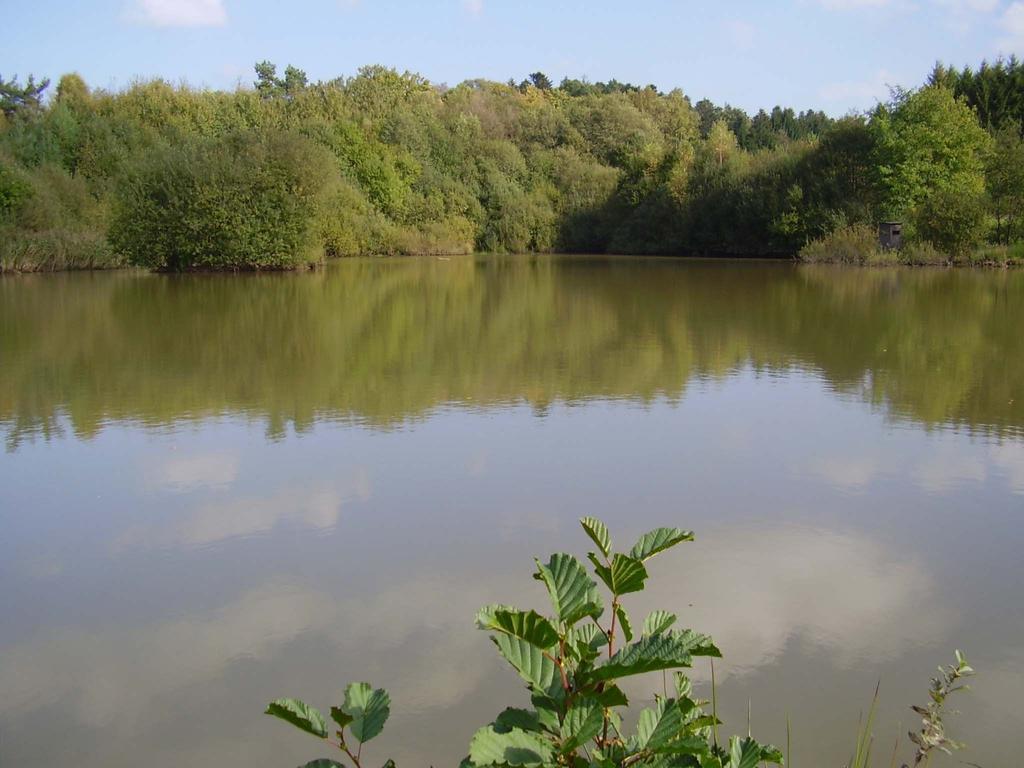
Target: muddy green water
[[217, 490]]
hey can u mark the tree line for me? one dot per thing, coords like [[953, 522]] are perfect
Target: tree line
[[288, 171]]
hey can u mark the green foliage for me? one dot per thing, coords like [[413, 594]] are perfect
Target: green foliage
[[855, 244], [932, 734], [396, 165], [575, 720], [363, 714], [242, 201], [16, 98], [950, 219], [927, 142]]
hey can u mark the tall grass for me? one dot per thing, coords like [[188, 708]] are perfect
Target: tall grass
[[54, 250]]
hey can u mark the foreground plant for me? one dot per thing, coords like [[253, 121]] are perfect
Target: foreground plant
[[572, 667], [364, 713], [572, 664], [932, 735]]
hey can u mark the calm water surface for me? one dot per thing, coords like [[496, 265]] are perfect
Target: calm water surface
[[217, 490]]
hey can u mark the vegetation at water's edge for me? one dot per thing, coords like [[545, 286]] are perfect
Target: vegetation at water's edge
[[289, 172], [572, 671]]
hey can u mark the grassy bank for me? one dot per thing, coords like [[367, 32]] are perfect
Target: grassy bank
[[859, 245]]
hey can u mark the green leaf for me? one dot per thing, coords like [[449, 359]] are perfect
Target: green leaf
[[530, 662], [625, 575], [485, 617], [658, 622], [598, 533], [649, 654], [299, 714], [514, 748], [582, 723], [656, 727], [526, 625], [523, 719], [573, 593], [586, 641], [627, 628], [612, 696], [747, 753], [659, 540], [368, 708], [547, 712], [341, 717], [323, 762], [389, 764], [684, 686]]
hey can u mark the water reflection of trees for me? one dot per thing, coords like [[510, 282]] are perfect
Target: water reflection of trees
[[383, 341]]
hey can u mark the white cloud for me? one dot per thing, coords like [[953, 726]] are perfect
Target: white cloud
[[179, 13], [858, 94], [1012, 23], [474, 7], [212, 523], [96, 671], [974, 6], [189, 473], [844, 5]]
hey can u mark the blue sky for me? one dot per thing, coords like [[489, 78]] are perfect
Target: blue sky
[[827, 54]]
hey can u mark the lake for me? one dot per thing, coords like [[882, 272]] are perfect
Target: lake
[[216, 490]]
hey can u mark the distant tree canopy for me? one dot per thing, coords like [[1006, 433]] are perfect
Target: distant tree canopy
[[15, 97], [386, 162]]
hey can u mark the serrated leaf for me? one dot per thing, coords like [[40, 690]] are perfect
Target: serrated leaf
[[669, 650], [340, 716], [547, 711], [612, 696], [530, 662], [526, 625], [514, 748], [299, 714], [585, 642], [658, 540], [747, 753], [657, 726], [598, 533], [368, 708], [658, 622], [485, 617], [625, 574], [573, 593], [581, 724], [771, 754], [627, 627], [523, 719], [684, 686]]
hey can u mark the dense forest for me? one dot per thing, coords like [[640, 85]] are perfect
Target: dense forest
[[288, 172]]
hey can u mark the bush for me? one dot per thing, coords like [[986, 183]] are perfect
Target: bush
[[952, 220], [855, 244], [922, 253], [242, 201]]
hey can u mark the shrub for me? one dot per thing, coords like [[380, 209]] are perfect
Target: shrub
[[855, 244], [923, 253], [952, 220], [242, 201]]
